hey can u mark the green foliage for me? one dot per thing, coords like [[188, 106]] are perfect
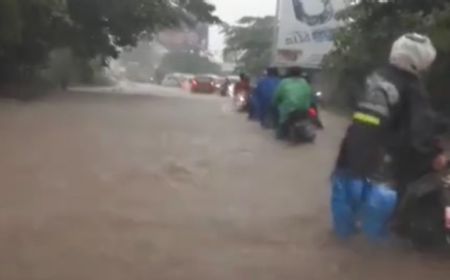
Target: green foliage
[[104, 25], [250, 41], [140, 61], [27, 34], [61, 67], [185, 62], [364, 42], [10, 24], [31, 29]]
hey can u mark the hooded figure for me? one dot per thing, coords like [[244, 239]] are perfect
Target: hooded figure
[[293, 95], [264, 94]]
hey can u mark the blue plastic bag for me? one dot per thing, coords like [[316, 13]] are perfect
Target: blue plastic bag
[[378, 209], [346, 203], [359, 199]]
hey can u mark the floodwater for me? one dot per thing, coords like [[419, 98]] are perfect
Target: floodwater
[[113, 187]]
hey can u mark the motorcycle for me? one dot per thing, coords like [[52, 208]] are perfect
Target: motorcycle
[[228, 90], [423, 215], [423, 212], [319, 98], [302, 127], [241, 101]]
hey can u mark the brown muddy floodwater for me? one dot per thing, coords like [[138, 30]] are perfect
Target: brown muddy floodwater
[[103, 187]]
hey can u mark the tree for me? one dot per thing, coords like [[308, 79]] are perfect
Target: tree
[[30, 29], [187, 62], [371, 26], [27, 34], [103, 26], [10, 24], [251, 40]]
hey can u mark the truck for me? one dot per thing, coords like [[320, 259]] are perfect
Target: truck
[[305, 30]]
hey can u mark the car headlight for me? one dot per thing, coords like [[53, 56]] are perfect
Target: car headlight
[[319, 94]]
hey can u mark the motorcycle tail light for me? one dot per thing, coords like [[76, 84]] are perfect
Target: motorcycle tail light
[[312, 113], [447, 217]]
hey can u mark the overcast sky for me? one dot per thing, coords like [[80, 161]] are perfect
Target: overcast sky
[[232, 10]]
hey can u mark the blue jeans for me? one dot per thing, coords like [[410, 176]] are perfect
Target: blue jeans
[[355, 199]]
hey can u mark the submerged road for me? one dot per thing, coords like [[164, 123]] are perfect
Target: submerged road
[[169, 186]]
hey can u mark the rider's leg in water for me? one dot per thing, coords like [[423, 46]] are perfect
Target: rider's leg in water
[[346, 202], [378, 209]]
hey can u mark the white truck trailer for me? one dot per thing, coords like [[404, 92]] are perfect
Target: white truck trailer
[[305, 31]]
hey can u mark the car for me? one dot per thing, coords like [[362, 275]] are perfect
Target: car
[[183, 77], [185, 81], [179, 80], [219, 82], [171, 80], [204, 84], [233, 79]]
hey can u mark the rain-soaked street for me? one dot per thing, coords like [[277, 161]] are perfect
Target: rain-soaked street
[[127, 187]]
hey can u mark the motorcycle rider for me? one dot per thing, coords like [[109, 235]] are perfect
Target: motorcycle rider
[[244, 87], [225, 86], [389, 143], [294, 95], [263, 95]]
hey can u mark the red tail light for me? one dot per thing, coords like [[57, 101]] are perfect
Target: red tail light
[[312, 113]]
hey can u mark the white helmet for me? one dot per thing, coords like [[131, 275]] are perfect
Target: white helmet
[[413, 52]]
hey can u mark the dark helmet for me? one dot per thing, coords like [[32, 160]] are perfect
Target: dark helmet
[[295, 71], [272, 71], [243, 76]]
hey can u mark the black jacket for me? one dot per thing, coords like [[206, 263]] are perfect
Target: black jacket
[[393, 129]]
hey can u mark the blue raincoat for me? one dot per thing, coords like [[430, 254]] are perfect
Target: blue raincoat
[[262, 97]]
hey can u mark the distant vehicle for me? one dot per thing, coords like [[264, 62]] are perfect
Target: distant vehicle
[[233, 78], [204, 84], [303, 127], [171, 80], [227, 87], [241, 101], [186, 77], [185, 81], [219, 82], [177, 80], [303, 36]]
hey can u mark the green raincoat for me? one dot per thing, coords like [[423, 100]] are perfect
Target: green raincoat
[[292, 94]]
